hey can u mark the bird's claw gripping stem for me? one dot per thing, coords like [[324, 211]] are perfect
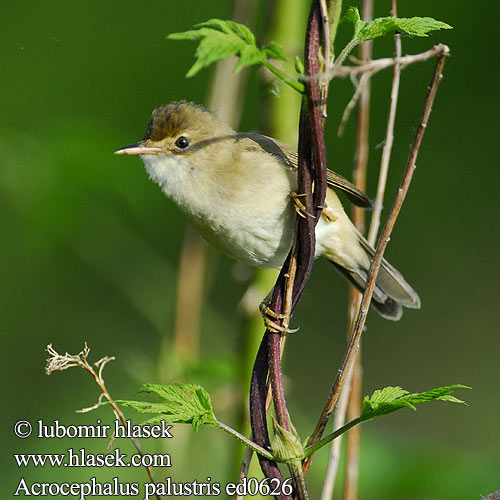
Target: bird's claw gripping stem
[[269, 317], [300, 208]]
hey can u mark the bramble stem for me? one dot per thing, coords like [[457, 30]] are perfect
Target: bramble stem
[[311, 174]]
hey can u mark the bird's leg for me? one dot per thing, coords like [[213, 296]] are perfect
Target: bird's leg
[[329, 213], [299, 206], [269, 317]]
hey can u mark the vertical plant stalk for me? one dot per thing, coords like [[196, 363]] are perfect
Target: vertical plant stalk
[[389, 139], [190, 281], [327, 53], [335, 447], [224, 97], [354, 408], [355, 388], [312, 186], [351, 394], [353, 346]]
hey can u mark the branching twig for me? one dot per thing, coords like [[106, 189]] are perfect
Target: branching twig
[[377, 260], [379, 64], [60, 362]]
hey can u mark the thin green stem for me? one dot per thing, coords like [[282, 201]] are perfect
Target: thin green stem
[[298, 475], [291, 82], [345, 52], [254, 446], [309, 450]]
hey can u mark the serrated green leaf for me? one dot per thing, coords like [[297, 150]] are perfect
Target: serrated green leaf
[[242, 31], [390, 399], [274, 51], [185, 35], [420, 26], [249, 56], [352, 15], [453, 399], [413, 26], [381, 26], [213, 48], [230, 28], [181, 403], [387, 400], [221, 39], [143, 406]]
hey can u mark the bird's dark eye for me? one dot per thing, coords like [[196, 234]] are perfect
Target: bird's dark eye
[[182, 142]]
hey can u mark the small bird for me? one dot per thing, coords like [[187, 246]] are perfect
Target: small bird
[[237, 190]]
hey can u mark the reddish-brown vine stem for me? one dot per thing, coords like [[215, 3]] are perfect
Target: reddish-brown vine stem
[[312, 185]]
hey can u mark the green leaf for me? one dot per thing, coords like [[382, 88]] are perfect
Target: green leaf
[[352, 15], [249, 56], [413, 26], [385, 401], [390, 399], [274, 51], [381, 26], [221, 39], [181, 403]]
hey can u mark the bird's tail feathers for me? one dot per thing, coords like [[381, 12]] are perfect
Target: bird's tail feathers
[[391, 291]]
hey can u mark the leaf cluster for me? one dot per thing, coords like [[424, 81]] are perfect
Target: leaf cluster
[[181, 404], [221, 39], [390, 399], [381, 26], [387, 400]]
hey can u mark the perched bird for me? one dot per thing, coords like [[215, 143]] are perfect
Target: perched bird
[[236, 190]]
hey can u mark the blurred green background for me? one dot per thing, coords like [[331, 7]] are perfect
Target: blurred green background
[[90, 247]]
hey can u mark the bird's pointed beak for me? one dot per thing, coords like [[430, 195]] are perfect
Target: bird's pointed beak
[[139, 148]]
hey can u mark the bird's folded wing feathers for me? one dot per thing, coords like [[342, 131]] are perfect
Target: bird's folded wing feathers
[[354, 194], [289, 157]]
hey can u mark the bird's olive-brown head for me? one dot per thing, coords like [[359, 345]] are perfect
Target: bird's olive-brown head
[[179, 128]]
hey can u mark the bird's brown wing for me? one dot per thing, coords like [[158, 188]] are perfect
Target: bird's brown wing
[[354, 194], [289, 157]]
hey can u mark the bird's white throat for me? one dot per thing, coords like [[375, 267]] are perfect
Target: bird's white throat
[[177, 177]]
